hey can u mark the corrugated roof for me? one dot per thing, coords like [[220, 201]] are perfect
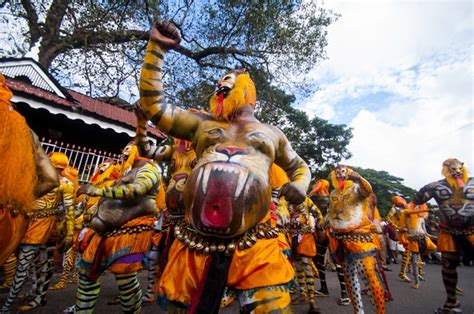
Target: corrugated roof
[[88, 104]]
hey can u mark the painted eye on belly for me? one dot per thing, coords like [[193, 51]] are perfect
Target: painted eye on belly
[[215, 132]]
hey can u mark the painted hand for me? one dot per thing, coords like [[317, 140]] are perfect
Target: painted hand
[[354, 176], [166, 34], [292, 193], [83, 189]]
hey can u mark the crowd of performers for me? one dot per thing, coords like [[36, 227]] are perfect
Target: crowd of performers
[[234, 221]]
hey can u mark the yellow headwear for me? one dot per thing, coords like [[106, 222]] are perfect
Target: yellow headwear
[[128, 164], [243, 93], [59, 160], [5, 93], [399, 201], [18, 176]]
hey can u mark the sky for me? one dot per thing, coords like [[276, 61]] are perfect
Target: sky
[[400, 73]]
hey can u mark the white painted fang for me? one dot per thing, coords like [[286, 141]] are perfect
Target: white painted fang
[[241, 183], [205, 179], [199, 176]]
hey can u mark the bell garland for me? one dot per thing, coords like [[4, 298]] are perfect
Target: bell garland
[[355, 237], [207, 245], [129, 230], [45, 214], [416, 237]]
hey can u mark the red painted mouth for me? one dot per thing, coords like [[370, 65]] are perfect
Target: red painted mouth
[[341, 184], [459, 181], [175, 202], [217, 207]]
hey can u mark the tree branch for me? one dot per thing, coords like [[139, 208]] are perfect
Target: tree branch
[[32, 18]]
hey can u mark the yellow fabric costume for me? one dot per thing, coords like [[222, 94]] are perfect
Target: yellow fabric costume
[[353, 240], [227, 195]]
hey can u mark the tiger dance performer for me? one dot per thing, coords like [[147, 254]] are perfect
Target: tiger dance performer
[[304, 219], [119, 234], [227, 239], [455, 197], [418, 241], [353, 242], [182, 158], [104, 176], [45, 228], [393, 225], [320, 196], [25, 175], [397, 216]]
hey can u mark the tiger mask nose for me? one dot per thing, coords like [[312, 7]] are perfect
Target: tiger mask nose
[[231, 150]]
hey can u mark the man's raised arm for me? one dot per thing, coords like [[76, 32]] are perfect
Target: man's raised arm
[[168, 118]]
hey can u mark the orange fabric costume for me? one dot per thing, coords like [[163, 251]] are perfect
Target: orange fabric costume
[[353, 241], [262, 264], [17, 173], [227, 195]]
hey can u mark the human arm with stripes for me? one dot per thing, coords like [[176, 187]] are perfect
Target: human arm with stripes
[[146, 178], [167, 117]]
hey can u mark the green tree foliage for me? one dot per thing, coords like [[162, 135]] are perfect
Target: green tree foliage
[[97, 47], [385, 186]]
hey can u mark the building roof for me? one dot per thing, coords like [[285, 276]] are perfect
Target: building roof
[[27, 78]]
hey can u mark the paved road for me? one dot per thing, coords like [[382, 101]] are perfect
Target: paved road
[[407, 300]]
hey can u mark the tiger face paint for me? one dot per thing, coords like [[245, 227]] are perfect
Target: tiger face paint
[[455, 172], [183, 161], [228, 191]]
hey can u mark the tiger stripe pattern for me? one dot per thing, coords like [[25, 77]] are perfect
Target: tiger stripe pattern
[[130, 292], [9, 268], [305, 276], [87, 294], [147, 177], [69, 269], [406, 255], [26, 258], [152, 268], [46, 270], [152, 100]]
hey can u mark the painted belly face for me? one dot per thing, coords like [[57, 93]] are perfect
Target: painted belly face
[[345, 211], [183, 161], [228, 191]]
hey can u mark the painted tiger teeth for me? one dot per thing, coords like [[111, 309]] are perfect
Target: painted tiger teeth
[[205, 179], [204, 175], [241, 183]]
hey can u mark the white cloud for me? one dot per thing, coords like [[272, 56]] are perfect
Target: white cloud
[[419, 53]]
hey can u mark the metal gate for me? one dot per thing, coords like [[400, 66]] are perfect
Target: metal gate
[[84, 159]]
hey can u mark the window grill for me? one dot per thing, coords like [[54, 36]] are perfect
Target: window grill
[[84, 159]]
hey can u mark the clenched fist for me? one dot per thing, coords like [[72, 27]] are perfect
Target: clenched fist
[[354, 176], [292, 193], [166, 34]]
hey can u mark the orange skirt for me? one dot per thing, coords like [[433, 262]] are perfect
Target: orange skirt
[[413, 245], [121, 254], [12, 230], [261, 265], [446, 242], [40, 230], [307, 246]]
